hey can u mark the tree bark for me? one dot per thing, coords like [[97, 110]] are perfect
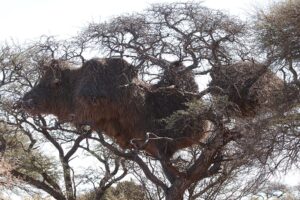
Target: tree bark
[[176, 191]]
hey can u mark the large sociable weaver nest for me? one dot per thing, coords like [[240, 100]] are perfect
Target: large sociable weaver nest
[[107, 95]]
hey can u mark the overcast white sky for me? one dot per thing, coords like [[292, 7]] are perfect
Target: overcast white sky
[[22, 20], [28, 19]]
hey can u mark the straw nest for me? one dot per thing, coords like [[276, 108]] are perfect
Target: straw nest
[[107, 95], [176, 75], [248, 85]]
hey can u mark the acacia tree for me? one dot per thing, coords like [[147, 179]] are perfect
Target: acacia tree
[[278, 33], [277, 30], [208, 42], [239, 151]]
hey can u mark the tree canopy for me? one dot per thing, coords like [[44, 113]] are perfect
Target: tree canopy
[[250, 107]]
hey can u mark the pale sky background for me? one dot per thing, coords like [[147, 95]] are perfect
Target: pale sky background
[[26, 20]]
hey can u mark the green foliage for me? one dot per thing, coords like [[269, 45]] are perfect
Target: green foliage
[[279, 29], [194, 110], [32, 162], [127, 190]]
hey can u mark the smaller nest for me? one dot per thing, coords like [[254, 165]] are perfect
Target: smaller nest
[[178, 76], [249, 85], [172, 92]]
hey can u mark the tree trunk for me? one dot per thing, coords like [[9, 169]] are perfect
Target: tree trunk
[[68, 179], [174, 196], [176, 191], [99, 194]]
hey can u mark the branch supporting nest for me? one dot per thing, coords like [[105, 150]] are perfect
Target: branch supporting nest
[[135, 141]]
